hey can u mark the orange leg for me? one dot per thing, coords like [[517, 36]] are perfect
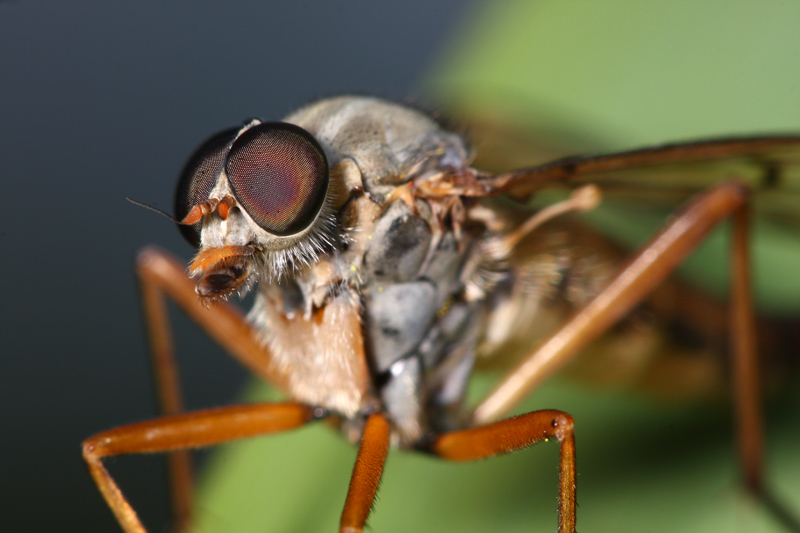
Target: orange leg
[[180, 432], [169, 396], [514, 434], [745, 374], [163, 275], [745, 370], [366, 474], [643, 272], [160, 276]]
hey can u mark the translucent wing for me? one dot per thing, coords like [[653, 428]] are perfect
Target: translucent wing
[[668, 174]]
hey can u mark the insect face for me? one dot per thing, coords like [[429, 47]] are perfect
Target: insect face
[[252, 200]]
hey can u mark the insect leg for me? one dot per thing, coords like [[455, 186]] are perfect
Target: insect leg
[[745, 371], [366, 474], [167, 385], [514, 434], [162, 275], [223, 322], [188, 430], [642, 273]]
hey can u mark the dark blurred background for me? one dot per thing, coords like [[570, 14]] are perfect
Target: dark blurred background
[[102, 100]]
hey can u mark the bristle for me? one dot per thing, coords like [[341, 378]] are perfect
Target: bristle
[[277, 264]]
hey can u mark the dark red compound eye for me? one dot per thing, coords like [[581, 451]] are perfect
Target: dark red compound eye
[[279, 175], [198, 177]]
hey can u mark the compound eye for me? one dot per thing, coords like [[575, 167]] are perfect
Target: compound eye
[[198, 177], [279, 175]]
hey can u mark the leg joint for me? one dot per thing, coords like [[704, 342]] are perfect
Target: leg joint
[[563, 425]]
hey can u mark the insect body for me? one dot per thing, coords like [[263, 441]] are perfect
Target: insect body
[[368, 241], [382, 272]]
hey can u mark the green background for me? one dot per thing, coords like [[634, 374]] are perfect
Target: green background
[[608, 75]]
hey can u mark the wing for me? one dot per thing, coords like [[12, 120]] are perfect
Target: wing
[[641, 187], [669, 173]]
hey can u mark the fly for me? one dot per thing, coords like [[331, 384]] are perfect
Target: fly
[[383, 269]]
